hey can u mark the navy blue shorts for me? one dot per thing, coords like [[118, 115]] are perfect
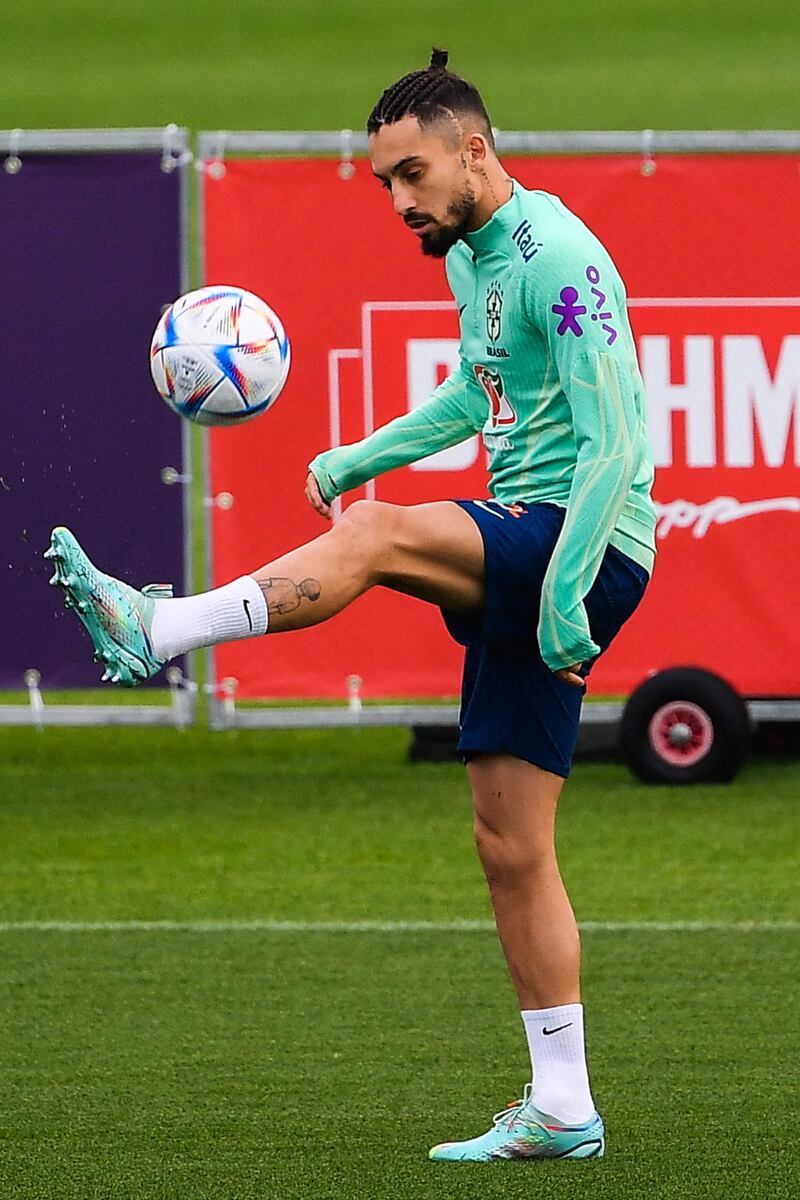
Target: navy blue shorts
[[510, 700]]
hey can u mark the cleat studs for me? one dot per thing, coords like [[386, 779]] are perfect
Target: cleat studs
[[53, 581], [116, 677], [82, 605]]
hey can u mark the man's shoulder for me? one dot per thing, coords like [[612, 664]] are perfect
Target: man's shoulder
[[553, 224], [564, 240]]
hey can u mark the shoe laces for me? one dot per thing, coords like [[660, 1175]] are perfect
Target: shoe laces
[[107, 600], [118, 605], [510, 1114]]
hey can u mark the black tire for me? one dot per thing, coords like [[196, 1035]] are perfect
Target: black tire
[[685, 726], [434, 743]]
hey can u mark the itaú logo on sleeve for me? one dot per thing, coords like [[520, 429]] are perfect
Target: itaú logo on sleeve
[[722, 381]]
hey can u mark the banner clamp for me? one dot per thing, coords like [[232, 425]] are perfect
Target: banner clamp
[[174, 152], [13, 163], [648, 166], [346, 167], [216, 159]]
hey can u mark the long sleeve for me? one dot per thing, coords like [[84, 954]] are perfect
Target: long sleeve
[[444, 420], [579, 309], [602, 401]]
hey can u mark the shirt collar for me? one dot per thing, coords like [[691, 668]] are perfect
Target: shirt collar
[[503, 220]]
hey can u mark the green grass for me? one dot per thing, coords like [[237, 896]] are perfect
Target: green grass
[[312, 64], [244, 1066], [248, 1064]]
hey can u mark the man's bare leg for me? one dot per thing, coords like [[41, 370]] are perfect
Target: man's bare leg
[[515, 811], [515, 808], [432, 551]]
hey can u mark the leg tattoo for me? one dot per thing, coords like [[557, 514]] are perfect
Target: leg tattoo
[[284, 595]]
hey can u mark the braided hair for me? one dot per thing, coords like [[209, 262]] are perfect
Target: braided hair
[[430, 95]]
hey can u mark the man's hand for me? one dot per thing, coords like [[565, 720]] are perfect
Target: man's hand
[[570, 675], [315, 498]]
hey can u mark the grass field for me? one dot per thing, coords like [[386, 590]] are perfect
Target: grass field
[[248, 1059], [312, 64]]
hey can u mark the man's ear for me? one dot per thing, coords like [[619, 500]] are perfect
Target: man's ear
[[476, 150]]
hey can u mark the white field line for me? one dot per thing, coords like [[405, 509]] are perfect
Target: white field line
[[266, 926]]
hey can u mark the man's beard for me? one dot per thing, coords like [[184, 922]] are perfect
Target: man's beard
[[437, 241]]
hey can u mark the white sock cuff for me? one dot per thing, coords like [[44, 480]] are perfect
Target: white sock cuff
[[548, 1016], [246, 588], [237, 610]]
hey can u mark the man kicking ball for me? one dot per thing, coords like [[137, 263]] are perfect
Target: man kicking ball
[[534, 582]]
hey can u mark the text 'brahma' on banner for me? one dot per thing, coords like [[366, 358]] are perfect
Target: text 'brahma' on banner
[[709, 248]]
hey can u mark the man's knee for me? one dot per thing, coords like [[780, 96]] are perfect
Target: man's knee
[[372, 528], [368, 516], [509, 857]]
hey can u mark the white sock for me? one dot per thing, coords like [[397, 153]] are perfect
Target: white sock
[[237, 610], [558, 1060]]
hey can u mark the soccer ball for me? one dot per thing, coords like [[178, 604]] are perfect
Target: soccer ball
[[219, 356]]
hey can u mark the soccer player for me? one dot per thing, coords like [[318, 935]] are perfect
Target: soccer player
[[535, 581]]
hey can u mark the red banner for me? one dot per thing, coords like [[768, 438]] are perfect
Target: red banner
[[709, 248]]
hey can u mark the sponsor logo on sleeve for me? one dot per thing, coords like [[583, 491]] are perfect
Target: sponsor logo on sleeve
[[525, 241], [593, 275], [570, 309]]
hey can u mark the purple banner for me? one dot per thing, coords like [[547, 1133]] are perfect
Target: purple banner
[[90, 252]]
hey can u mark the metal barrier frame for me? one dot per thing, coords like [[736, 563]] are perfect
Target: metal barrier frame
[[212, 149], [173, 142], [215, 146]]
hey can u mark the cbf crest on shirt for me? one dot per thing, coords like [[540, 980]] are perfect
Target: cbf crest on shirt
[[494, 312]]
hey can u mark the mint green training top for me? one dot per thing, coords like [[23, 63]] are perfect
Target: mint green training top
[[549, 377]]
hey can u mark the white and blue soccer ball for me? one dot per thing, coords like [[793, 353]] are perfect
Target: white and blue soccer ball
[[219, 356]]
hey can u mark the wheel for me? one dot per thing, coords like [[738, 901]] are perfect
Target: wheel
[[434, 743], [685, 725]]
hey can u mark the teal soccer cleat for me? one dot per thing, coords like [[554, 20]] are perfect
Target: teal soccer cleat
[[117, 617], [522, 1131]]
